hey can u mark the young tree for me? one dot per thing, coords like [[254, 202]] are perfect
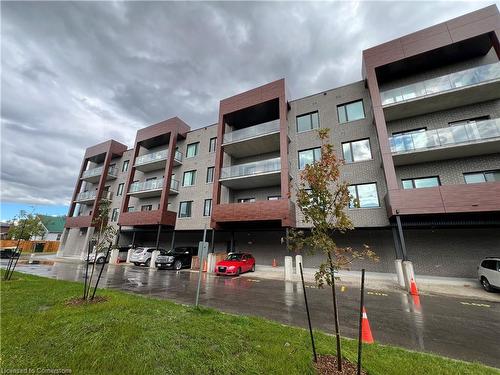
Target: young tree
[[25, 227], [323, 199]]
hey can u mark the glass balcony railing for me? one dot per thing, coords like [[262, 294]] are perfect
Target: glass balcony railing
[[146, 185], [112, 171], [86, 195], [250, 169], [152, 157], [252, 131], [437, 85], [453, 135], [178, 156], [174, 185]]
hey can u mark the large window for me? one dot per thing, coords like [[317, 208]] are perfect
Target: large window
[[307, 122], [479, 177], [114, 215], [125, 166], [189, 178], [357, 150], [351, 111], [309, 156], [130, 209], [210, 175], [207, 207], [147, 207], [119, 191], [212, 144], [246, 200], [363, 196], [423, 182], [192, 150], [185, 209]]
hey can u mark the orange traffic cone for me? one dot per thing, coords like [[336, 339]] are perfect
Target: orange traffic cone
[[204, 266], [366, 332], [274, 263], [413, 288]]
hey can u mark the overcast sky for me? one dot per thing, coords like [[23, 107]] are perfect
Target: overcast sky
[[76, 74]]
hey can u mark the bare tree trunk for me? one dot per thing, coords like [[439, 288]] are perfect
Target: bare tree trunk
[[336, 315], [95, 260], [86, 271], [100, 272]]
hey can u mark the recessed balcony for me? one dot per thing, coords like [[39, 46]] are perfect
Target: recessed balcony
[[155, 160], [88, 197], [94, 174], [261, 173], [253, 140], [472, 139], [152, 188], [174, 187], [469, 86]]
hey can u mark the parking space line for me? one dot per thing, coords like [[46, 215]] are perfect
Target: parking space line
[[377, 294], [475, 304]]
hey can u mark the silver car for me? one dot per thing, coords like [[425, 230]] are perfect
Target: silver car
[[142, 255], [488, 273]]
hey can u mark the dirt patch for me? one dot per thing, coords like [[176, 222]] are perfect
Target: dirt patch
[[79, 301], [327, 364]]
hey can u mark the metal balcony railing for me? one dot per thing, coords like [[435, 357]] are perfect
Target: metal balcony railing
[[250, 169], [112, 171], [252, 131], [152, 157], [146, 185], [437, 85], [453, 135]]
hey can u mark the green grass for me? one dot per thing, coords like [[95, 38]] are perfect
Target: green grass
[[131, 334]]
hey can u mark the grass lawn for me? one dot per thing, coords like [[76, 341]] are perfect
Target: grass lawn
[[131, 334]]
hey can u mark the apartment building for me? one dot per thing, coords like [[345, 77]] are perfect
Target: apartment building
[[419, 133]]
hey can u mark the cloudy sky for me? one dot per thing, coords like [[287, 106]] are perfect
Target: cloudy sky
[[76, 74]]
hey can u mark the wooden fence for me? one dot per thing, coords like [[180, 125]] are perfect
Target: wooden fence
[[32, 246]]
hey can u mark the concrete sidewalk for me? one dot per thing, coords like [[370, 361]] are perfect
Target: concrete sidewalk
[[464, 287]]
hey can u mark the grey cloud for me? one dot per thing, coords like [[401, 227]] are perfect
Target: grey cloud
[[78, 73]]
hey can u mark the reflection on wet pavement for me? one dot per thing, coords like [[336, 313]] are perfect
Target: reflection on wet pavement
[[438, 324]]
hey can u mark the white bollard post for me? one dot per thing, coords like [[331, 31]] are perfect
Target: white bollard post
[[408, 273], [129, 254], [154, 255], [32, 257], [298, 260], [399, 272], [113, 258], [288, 268], [211, 263]]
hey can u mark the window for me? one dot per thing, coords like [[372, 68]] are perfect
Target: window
[[357, 150], [125, 166], [479, 177], [423, 182], [210, 174], [119, 191], [274, 198], [147, 207], [246, 200], [114, 215], [130, 209], [188, 178], [58, 236], [469, 121], [309, 157], [363, 196], [307, 122], [192, 150], [207, 207], [351, 111], [185, 209], [418, 130], [212, 144]]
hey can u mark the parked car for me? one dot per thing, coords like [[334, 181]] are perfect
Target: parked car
[[488, 273], [142, 255], [176, 259], [235, 263], [7, 252], [122, 256]]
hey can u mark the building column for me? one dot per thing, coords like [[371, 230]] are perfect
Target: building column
[[133, 239], [401, 237], [397, 244], [158, 237], [212, 239], [172, 243], [64, 237]]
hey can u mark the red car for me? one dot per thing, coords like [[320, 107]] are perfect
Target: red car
[[235, 263]]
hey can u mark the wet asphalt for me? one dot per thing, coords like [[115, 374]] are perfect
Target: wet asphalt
[[461, 328]]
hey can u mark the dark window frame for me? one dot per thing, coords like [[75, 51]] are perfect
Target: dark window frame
[[305, 150], [352, 153], [419, 178], [205, 207], [480, 172], [125, 165], [197, 145], [357, 195], [213, 141], [193, 180], [344, 106], [146, 205], [119, 192], [212, 175], [403, 132], [311, 121], [246, 200], [190, 209]]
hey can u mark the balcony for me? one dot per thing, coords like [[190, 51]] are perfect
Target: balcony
[[174, 187], [469, 86], [156, 160], [253, 140], [478, 138], [93, 175], [88, 197], [252, 175], [146, 189]]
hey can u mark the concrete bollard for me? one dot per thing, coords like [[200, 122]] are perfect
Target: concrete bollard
[[211, 263], [154, 255], [298, 260], [113, 258], [32, 258], [129, 254], [288, 268], [399, 272], [408, 273]]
